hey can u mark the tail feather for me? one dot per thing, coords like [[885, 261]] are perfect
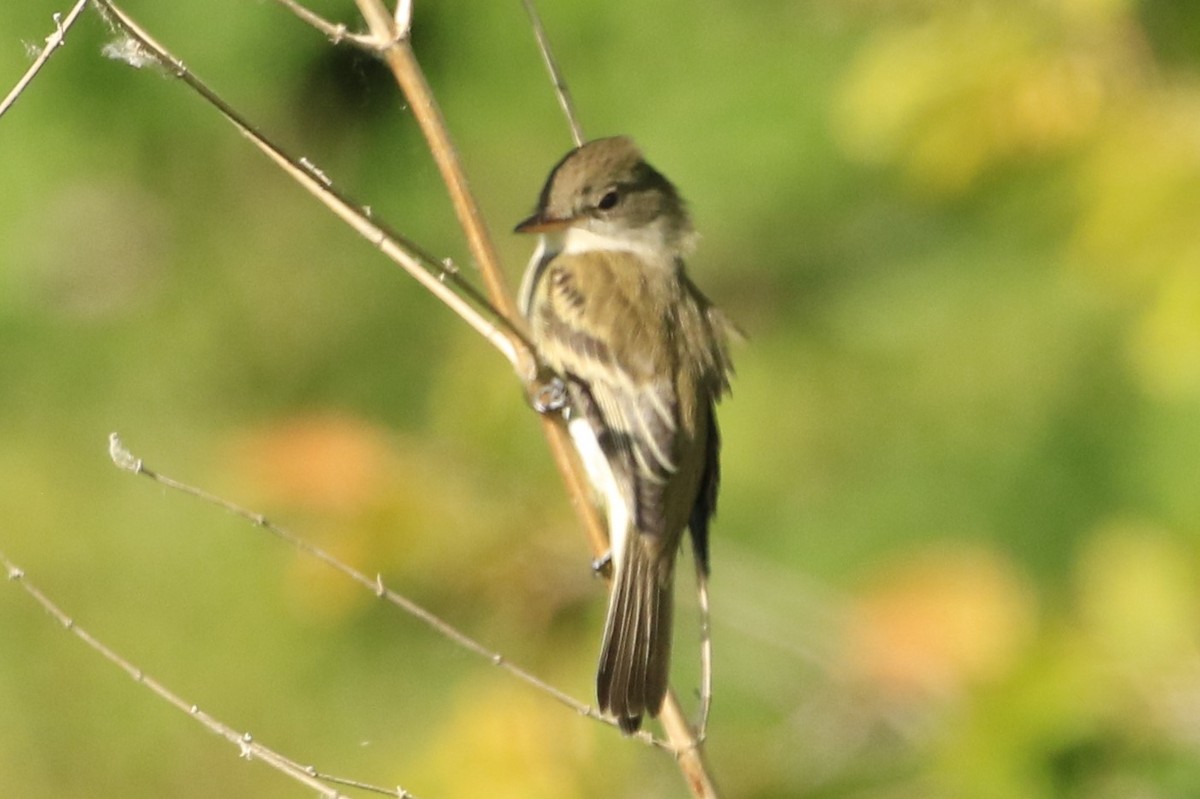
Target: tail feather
[[635, 655]]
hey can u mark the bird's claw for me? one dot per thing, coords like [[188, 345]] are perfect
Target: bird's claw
[[550, 396], [602, 566]]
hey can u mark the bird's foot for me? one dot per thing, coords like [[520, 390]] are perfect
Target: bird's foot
[[602, 566], [549, 396]]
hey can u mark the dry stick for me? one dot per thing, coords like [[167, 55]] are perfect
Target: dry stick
[[561, 90], [437, 277], [54, 41], [248, 748], [705, 650], [561, 451], [336, 32], [403, 17], [481, 248], [125, 460], [397, 51]]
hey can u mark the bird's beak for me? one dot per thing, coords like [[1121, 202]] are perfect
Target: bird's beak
[[539, 223]]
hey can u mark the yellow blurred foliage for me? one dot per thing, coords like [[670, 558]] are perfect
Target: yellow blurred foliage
[[1140, 191], [1138, 598], [1138, 236], [949, 97], [972, 87], [1165, 347], [501, 740]]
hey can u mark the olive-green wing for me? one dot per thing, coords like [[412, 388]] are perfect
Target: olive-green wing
[[602, 325]]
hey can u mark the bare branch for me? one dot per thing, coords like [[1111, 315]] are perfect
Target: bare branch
[[689, 751], [125, 460], [407, 71], [705, 651], [247, 746], [403, 17], [397, 52], [437, 276], [336, 31], [561, 90], [54, 41]]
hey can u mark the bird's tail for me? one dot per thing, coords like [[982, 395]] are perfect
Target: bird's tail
[[635, 656]]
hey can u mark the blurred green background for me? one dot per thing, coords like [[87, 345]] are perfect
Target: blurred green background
[[957, 549]]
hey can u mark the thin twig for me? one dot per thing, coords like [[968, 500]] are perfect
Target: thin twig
[[688, 749], [247, 746], [336, 31], [441, 279], [561, 90], [397, 51], [54, 41], [398, 792], [403, 18], [705, 651], [124, 459]]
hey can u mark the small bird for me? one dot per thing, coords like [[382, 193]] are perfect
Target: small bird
[[642, 358]]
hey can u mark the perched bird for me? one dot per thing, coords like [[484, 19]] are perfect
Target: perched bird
[[642, 357]]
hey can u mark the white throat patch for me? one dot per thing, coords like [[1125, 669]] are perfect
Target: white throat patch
[[647, 242]]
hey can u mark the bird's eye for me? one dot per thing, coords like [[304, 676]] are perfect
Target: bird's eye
[[609, 200]]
